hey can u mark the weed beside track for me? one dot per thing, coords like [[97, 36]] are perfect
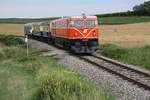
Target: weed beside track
[[136, 56]]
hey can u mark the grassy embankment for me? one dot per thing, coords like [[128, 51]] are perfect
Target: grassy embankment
[[137, 56], [116, 20], [37, 77]]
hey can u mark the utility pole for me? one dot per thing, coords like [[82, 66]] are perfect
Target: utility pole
[[27, 45]]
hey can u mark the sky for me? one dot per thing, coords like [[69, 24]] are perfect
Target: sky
[[54, 8]]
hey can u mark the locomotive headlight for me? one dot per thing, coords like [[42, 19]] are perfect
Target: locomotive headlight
[[75, 34], [94, 33]]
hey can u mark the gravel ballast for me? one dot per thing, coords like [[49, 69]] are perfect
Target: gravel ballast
[[121, 89]]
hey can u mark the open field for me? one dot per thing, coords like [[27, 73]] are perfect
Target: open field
[[115, 20], [12, 29], [129, 35]]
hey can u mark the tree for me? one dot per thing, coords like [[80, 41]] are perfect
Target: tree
[[142, 9]]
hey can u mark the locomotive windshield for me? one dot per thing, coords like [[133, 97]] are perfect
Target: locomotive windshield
[[72, 23], [90, 23], [77, 23], [81, 23]]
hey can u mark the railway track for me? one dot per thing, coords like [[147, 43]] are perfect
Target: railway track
[[139, 78]]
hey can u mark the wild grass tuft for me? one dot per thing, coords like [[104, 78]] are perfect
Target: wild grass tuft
[[10, 40], [136, 56], [63, 84]]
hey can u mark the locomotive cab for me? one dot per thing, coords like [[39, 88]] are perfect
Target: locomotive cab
[[84, 33]]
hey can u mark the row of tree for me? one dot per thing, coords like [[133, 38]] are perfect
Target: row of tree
[[138, 10], [142, 9]]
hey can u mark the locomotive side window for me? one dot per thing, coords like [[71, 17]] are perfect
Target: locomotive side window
[[72, 24], [76, 23], [90, 23], [79, 23]]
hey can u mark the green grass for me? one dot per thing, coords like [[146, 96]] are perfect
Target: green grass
[[122, 20], [25, 20], [135, 56], [37, 77], [10, 40]]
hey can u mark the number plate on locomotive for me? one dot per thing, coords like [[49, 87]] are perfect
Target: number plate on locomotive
[[85, 40]]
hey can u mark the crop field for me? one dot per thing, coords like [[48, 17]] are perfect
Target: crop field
[[128, 35], [12, 29]]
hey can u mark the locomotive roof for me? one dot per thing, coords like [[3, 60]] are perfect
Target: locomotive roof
[[64, 17], [74, 17], [82, 17], [79, 16], [38, 23]]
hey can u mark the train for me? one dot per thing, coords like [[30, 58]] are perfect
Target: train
[[78, 34]]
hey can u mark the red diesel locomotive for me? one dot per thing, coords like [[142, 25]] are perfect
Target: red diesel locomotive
[[77, 33]]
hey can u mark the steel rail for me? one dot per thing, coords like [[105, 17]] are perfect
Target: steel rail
[[140, 84]]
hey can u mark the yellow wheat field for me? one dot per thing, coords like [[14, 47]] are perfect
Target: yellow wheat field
[[12, 29], [129, 35]]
